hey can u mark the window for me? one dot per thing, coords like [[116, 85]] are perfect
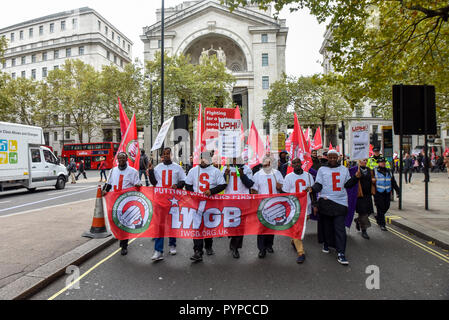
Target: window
[[4, 65], [118, 40], [56, 54], [52, 27], [123, 45], [12, 37], [41, 30], [264, 38], [44, 72], [67, 134], [33, 74], [373, 111], [81, 51], [55, 136], [13, 62], [63, 25], [264, 59], [265, 82], [30, 32], [44, 56], [99, 25], [13, 75], [35, 155], [121, 63], [55, 119], [359, 111], [23, 60], [67, 119], [74, 23], [108, 55], [106, 30], [56, 67], [21, 35], [68, 52], [129, 47], [23, 74], [107, 136], [159, 43], [113, 35], [115, 59], [33, 58]]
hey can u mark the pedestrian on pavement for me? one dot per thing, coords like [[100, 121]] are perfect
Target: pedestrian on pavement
[[143, 166], [238, 178], [267, 181], [299, 182], [210, 181], [81, 170], [72, 170], [364, 205], [408, 168], [332, 206], [385, 183], [102, 168], [122, 177], [166, 175]]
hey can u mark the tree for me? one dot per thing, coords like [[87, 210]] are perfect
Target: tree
[[74, 91], [377, 43], [316, 99]]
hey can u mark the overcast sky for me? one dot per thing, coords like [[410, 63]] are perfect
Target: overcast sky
[[130, 16]]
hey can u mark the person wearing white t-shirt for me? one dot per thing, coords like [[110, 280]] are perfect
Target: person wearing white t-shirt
[[266, 181], [331, 184], [208, 180], [166, 175], [301, 182], [238, 178], [120, 178]]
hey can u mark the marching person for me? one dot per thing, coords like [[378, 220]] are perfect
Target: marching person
[[143, 166], [266, 181], [364, 205], [385, 183], [166, 175], [210, 181], [299, 181], [316, 161], [373, 162], [120, 178], [332, 206], [81, 170], [283, 162], [408, 168], [238, 178]]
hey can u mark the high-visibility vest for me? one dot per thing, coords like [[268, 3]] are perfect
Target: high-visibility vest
[[372, 163], [383, 182]]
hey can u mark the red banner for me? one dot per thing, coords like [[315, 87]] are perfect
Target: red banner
[[148, 212]]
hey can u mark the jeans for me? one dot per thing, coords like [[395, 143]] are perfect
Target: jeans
[[144, 172], [159, 244], [103, 172]]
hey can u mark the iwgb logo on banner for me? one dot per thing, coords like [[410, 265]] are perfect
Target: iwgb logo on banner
[[149, 212]]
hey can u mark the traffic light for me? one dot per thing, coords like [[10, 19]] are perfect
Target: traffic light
[[342, 133]]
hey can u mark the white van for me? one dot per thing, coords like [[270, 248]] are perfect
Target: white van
[[25, 162]]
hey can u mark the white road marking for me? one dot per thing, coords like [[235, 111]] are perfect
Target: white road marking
[[58, 193], [40, 201], [45, 208], [4, 202]]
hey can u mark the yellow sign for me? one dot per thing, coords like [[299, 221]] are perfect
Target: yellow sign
[[3, 157]]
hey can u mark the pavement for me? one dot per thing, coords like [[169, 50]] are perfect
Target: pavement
[[41, 246]]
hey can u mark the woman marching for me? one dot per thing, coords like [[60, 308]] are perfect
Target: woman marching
[[364, 206]]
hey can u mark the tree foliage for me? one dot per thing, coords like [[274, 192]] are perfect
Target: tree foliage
[[316, 99], [378, 43]]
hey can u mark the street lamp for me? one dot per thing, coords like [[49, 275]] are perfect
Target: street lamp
[[162, 66]]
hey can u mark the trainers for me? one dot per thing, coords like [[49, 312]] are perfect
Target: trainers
[[210, 251], [342, 259], [270, 250], [197, 256], [124, 252], [236, 254], [357, 225], [262, 254], [172, 250], [301, 259], [325, 248], [365, 235], [383, 228], [157, 256]]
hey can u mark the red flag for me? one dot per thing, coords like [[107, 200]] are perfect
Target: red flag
[[433, 154], [299, 147], [446, 151], [124, 121], [317, 143], [198, 138], [130, 145], [267, 145], [331, 147], [256, 145], [307, 136], [238, 116], [288, 143], [371, 152], [338, 149]]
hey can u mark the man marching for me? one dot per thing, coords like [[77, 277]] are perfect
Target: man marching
[[166, 175], [266, 181], [385, 183], [332, 206], [299, 182], [208, 180], [120, 178], [238, 178]]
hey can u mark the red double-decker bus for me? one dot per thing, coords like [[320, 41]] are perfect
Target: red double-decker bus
[[91, 153]]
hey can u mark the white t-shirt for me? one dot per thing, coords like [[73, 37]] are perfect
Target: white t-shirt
[[123, 179], [298, 183], [235, 184], [208, 178], [266, 183], [168, 175], [333, 181]]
